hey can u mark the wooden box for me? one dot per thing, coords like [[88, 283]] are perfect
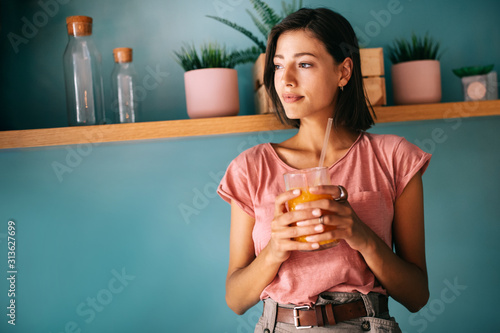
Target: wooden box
[[372, 70], [262, 101], [375, 90], [372, 62]]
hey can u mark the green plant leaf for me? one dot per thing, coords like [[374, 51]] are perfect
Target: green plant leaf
[[264, 30], [211, 55], [473, 70], [417, 48], [241, 29], [291, 8], [267, 14], [264, 19], [249, 55]]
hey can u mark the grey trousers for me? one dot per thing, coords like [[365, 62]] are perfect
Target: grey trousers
[[374, 322]]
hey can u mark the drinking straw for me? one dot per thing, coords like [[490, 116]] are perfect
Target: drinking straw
[[325, 142]]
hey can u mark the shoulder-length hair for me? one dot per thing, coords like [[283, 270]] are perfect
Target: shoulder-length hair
[[352, 110]]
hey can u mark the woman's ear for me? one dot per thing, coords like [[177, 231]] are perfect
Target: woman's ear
[[346, 68]]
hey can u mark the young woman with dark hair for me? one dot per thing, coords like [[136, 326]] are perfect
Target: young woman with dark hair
[[337, 36], [313, 73]]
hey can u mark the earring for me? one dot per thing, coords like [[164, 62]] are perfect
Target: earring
[[341, 88]]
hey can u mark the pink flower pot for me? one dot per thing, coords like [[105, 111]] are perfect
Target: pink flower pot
[[416, 82], [212, 92]]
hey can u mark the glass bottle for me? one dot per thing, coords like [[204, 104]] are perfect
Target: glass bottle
[[82, 74], [125, 105]]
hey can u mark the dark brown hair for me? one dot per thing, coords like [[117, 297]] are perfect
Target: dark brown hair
[[352, 110]]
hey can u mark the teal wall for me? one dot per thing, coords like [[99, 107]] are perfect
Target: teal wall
[[148, 210], [32, 86], [126, 237]]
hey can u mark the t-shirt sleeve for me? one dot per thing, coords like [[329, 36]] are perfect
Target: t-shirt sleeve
[[235, 185], [408, 160]]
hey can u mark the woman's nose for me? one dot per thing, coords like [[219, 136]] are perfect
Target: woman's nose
[[288, 78]]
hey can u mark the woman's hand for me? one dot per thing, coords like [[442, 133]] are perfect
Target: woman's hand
[[283, 227], [338, 214]]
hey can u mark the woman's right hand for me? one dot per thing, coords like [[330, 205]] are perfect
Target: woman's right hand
[[288, 225]]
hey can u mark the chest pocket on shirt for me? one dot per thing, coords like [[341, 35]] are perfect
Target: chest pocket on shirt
[[376, 211]]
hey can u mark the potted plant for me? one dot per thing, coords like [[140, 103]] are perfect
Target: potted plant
[[416, 73], [210, 80], [479, 82], [264, 18]]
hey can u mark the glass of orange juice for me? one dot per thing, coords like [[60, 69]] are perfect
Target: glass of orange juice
[[303, 180]]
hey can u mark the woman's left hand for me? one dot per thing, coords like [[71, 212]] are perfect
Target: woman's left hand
[[339, 214]]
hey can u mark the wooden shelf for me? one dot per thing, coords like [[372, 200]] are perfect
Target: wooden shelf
[[224, 125]]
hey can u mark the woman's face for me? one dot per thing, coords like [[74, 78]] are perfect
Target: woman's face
[[306, 76]]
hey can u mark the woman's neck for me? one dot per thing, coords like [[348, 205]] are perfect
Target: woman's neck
[[304, 149], [311, 137]]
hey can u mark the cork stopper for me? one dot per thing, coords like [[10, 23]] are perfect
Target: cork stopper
[[79, 25], [123, 54]]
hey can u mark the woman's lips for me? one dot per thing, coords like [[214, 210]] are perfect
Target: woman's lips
[[291, 98]]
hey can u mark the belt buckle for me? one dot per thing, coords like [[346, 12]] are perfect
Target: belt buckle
[[296, 316]]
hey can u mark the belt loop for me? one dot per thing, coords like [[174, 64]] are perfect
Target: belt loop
[[270, 313], [319, 315], [383, 304], [330, 316], [371, 308]]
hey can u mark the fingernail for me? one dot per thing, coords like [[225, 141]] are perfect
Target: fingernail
[[316, 212], [314, 188], [318, 227], [296, 192], [315, 246], [300, 206], [301, 224]]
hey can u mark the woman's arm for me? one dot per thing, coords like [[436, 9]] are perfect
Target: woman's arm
[[403, 274], [247, 274]]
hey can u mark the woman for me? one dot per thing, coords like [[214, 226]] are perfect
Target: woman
[[313, 73]]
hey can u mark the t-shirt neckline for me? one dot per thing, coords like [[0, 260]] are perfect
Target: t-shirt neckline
[[286, 166]]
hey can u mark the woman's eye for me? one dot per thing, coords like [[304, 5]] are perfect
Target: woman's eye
[[304, 65], [276, 67]]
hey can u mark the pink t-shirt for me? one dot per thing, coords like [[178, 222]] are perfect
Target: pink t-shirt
[[374, 171]]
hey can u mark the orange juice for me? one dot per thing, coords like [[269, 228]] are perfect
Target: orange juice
[[303, 180], [306, 196]]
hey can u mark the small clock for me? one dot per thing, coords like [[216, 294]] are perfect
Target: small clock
[[480, 87], [476, 90]]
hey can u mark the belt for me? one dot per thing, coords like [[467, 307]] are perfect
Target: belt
[[325, 315]]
